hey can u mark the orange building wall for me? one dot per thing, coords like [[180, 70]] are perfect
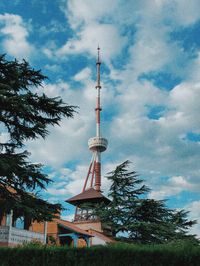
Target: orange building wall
[[86, 225], [81, 243], [3, 221], [52, 229]]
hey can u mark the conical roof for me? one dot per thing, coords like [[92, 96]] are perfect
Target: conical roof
[[89, 195]]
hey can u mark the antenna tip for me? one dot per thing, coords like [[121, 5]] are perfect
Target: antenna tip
[[98, 55]]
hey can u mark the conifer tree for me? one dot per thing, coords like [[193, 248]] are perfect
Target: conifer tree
[[25, 115], [135, 217]]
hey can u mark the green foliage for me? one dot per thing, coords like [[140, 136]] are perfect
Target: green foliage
[[137, 218], [120, 254], [25, 115], [51, 241], [32, 244]]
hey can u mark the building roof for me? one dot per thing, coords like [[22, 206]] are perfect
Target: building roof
[[107, 239], [72, 227], [89, 195]]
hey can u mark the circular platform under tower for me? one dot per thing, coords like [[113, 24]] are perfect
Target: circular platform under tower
[[98, 144]]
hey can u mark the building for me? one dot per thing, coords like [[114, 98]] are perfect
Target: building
[[16, 231], [62, 232]]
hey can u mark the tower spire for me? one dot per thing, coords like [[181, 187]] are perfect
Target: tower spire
[[96, 144], [98, 63], [98, 87]]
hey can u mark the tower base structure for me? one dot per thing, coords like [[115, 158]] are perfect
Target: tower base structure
[[86, 220]]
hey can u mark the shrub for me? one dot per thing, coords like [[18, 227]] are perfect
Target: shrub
[[112, 255]]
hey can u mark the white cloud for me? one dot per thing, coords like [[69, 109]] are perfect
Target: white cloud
[[95, 24], [53, 67], [83, 74], [68, 141], [108, 22], [69, 183], [185, 99], [157, 147], [171, 187], [88, 11], [15, 34], [185, 13], [105, 35], [194, 209]]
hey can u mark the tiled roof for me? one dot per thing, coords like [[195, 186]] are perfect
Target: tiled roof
[[91, 232], [90, 194], [72, 227], [107, 239]]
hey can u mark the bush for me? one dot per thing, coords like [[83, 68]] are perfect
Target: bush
[[112, 255], [32, 244]]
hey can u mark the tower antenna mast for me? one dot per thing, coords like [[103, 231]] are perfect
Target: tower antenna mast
[[96, 144]]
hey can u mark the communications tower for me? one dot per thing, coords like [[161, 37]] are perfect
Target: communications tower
[[91, 192], [97, 144]]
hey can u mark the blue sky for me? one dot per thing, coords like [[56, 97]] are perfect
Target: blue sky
[[151, 88]]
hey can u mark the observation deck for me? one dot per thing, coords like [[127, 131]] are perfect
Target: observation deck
[[97, 144]]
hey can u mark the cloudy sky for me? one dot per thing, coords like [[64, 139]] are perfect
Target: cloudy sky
[[150, 54]]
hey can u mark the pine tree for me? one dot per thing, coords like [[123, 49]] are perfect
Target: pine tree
[[25, 115], [135, 217]]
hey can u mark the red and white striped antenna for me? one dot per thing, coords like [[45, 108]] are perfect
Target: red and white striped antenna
[[96, 144]]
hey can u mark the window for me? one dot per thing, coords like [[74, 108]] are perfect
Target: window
[[8, 219], [19, 223]]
